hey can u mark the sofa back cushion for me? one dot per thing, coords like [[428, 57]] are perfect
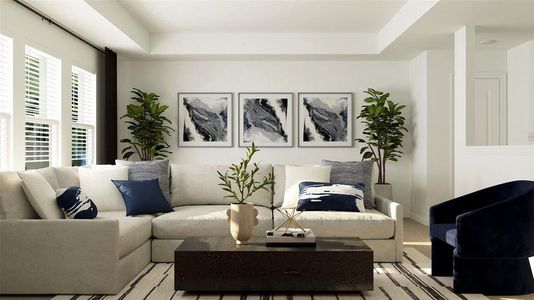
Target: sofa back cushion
[[13, 202], [96, 183], [41, 194], [279, 172], [198, 185], [67, 177]]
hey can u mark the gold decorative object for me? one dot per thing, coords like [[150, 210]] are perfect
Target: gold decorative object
[[291, 215]]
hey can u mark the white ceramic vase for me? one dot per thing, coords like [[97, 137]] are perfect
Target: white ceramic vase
[[242, 218]]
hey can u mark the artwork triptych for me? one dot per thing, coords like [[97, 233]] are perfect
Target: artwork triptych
[[324, 119]]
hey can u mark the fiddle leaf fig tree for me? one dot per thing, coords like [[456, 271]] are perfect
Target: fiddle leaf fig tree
[[383, 130], [239, 181], [148, 127]]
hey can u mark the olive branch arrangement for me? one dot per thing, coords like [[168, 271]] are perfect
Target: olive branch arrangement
[[239, 181]]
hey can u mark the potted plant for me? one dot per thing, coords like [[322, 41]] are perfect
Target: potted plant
[[240, 183], [148, 127], [383, 134]]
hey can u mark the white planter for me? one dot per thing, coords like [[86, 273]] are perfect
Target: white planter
[[385, 190], [242, 219]]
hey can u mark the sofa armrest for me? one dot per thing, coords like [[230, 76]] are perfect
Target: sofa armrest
[[394, 211], [58, 256], [500, 230]]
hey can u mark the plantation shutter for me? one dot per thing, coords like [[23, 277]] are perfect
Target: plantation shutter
[[6, 99], [83, 93], [43, 108]]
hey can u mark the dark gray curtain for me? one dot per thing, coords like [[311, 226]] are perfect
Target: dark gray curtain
[[107, 109]]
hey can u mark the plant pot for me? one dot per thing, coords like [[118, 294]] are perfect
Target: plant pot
[[242, 219], [385, 190]]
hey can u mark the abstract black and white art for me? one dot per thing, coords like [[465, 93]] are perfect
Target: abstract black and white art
[[325, 119], [205, 119], [266, 119]]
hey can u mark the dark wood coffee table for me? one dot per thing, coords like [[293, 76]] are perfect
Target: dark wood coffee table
[[218, 264]]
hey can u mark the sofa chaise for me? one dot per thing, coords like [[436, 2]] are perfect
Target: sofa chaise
[[102, 255]]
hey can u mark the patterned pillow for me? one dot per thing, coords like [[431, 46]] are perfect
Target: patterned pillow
[[354, 172], [75, 204], [144, 170], [321, 196]]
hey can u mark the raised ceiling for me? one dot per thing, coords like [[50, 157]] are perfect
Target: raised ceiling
[[305, 29], [262, 16]]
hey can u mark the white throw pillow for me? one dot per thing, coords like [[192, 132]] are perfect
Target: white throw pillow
[[40, 194], [96, 183], [296, 174]]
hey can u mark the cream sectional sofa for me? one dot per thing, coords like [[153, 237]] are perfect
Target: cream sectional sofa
[[100, 256]]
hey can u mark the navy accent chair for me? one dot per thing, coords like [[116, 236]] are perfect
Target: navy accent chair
[[484, 239]]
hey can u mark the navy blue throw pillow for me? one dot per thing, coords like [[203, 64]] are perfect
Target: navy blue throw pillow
[[142, 197], [75, 204], [321, 196]]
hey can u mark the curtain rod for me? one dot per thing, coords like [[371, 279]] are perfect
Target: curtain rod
[[51, 21]]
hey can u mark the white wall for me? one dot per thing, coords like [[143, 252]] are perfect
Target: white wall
[[479, 167], [27, 28], [167, 78], [430, 79]]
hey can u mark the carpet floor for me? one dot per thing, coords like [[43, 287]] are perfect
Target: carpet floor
[[410, 279]]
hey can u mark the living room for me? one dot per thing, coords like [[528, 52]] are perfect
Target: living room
[[394, 143]]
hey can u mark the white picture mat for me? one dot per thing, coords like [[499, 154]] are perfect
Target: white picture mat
[[287, 125], [304, 117], [210, 97]]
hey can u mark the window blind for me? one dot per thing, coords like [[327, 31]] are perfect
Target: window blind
[[83, 93], [6, 99], [42, 107]]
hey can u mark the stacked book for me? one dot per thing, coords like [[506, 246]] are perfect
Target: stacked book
[[290, 237]]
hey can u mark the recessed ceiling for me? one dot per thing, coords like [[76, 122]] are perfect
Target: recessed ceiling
[[263, 15]]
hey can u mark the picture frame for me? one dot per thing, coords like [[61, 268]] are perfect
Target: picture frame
[[205, 119], [325, 119], [266, 119]]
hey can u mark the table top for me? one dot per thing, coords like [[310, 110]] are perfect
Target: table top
[[227, 244]]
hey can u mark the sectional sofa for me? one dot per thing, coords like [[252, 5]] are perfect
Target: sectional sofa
[[101, 256]]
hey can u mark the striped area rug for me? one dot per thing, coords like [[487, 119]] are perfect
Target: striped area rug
[[409, 280]]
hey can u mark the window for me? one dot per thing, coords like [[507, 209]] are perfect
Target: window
[[6, 99], [83, 95], [42, 109]]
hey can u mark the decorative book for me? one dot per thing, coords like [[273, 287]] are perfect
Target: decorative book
[[290, 237]]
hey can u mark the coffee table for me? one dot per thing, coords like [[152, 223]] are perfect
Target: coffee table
[[217, 264]]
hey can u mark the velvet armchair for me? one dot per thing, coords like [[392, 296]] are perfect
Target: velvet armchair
[[484, 239]]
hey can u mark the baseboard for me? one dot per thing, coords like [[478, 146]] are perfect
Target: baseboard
[[419, 219]]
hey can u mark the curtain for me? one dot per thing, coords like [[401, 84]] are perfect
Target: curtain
[[107, 109]]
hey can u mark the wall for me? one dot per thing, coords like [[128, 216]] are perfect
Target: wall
[[521, 94], [479, 167], [167, 78], [430, 81], [27, 28]]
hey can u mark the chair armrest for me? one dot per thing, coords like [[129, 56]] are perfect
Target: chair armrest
[[394, 211], [500, 230], [58, 254]]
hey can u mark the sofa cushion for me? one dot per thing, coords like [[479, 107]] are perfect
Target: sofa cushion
[[40, 194], [203, 220], [279, 172], [354, 172], [199, 185], [371, 224], [444, 232], [143, 170], [96, 183], [67, 177], [13, 202], [50, 175], [133, 231]]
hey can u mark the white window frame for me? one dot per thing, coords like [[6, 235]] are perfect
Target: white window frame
[[86, 113], [49, 111], [6, 102]]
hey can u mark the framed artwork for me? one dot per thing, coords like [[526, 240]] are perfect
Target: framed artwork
[[325, 120], [205, 119], [266, 119]]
